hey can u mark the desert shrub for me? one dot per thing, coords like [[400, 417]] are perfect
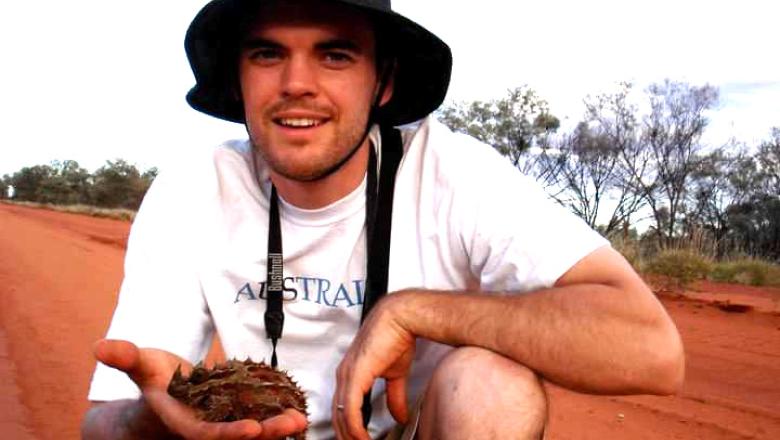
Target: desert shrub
[[746, 271], [680, 266], [629, 249], [113, 213], [94, 211], [723, 272]]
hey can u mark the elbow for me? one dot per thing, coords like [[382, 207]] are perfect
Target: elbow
[[671, 376], [677, 367], [666, 373]]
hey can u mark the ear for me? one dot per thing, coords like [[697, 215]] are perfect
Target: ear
[[234, 87], [388, 78], [235, 92]]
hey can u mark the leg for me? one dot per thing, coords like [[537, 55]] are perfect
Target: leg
[[477, 394]]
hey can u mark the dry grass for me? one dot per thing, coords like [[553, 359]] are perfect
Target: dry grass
[[694, 259], [682, 267], [746, 271], [94, 211]]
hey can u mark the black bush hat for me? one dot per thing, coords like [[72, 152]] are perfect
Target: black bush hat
[[422, 74]]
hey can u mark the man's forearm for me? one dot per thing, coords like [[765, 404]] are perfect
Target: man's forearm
[[123, 420], [590, 338]]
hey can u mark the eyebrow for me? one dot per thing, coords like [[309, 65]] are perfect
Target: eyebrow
[[333, 44], [257, 42], [339, 44]]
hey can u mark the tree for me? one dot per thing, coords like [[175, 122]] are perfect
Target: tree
[[588, 161], [148, 176], [68, 184], [5, 183], [29, 180], [755, 226], [753, 217], [119, 184], [604, 161], [512, 125], [733, 197], [768, 157], [77, 180], [721, 180], [671, 151]]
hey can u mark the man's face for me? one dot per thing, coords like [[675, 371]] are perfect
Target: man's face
[[308, 80]]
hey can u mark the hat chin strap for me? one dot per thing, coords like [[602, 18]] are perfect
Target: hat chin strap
[[383, 82]]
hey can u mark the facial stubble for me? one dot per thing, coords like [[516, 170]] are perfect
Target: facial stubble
[[338, 150]]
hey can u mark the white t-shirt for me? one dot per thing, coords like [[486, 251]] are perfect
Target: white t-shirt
[[462, 216]]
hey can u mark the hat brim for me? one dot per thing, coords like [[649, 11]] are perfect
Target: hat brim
[[420, 82]]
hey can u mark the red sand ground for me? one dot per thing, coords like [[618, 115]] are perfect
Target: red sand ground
[[59, 274]]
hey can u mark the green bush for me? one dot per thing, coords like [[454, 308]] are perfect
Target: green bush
[[681, 266], [746, 271]]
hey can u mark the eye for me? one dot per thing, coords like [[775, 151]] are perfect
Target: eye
[[264, 55], [338, 58]]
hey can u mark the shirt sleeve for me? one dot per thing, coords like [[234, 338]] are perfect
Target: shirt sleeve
[[160, 304], [516, 237]]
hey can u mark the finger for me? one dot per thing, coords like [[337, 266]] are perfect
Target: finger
[[339, 423], [344, 377], [181, 420], [352, 414], [339, 397], [122, 355], [287, 423], [145, 367], [396, 399]]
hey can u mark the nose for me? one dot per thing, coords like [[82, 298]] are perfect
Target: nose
[[299, 78]]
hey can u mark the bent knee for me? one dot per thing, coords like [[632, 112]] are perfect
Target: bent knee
[[471, 385], [472, 369]]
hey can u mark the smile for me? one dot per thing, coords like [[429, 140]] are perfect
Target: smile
[[299, 122]]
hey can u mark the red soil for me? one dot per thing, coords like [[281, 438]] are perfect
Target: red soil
[[59, 274]]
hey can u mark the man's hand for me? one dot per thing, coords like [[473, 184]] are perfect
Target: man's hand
[[151, 370], [599, 329], [382, 348]]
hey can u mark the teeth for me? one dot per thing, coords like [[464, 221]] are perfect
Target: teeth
[[302, 122]]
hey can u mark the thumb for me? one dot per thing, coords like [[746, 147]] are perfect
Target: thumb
[[122, 355], [147, 367]]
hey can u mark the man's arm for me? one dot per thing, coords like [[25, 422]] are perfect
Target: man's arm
[[599, 329]]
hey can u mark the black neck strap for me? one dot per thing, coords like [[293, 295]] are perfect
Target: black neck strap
[[379, 207], [274, 313]]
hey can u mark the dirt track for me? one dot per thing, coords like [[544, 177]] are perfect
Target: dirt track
[[59, 274]]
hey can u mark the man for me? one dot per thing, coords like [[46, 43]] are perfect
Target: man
[[487, 295]]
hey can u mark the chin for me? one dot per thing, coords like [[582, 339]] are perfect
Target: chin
[[300, 168]]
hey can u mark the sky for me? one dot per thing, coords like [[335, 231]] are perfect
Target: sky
[[96, 80]]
